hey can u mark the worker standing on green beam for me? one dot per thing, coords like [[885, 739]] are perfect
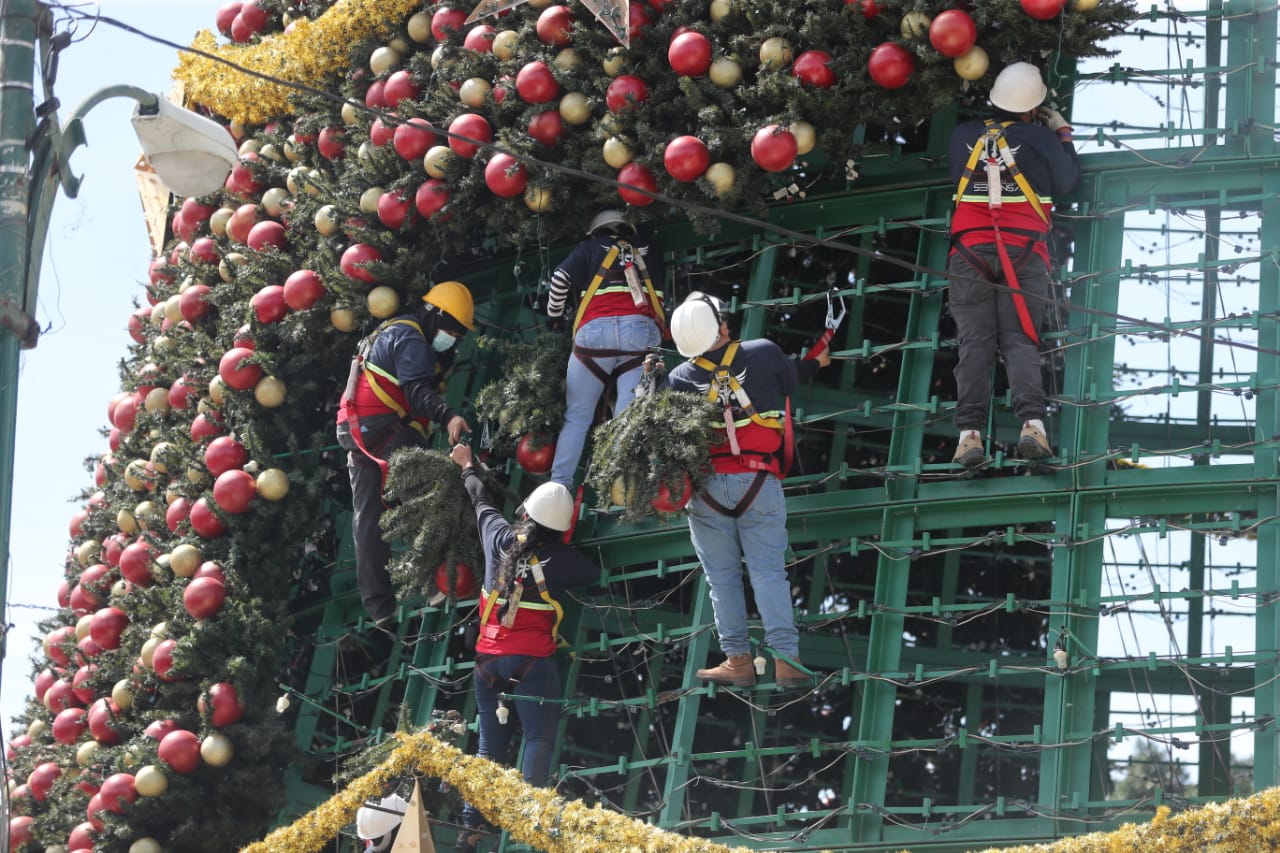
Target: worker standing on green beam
[[741, 513], [1007, 170], [526, 568]]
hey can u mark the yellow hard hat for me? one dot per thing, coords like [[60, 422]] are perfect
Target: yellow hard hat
[[453, 298]]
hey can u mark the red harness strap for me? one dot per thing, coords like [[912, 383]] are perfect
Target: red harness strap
[[1011, 278]]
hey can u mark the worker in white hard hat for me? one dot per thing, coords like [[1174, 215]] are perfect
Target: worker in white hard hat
[[527, 566], [741, 513], [616, 276], [376, 823], [1008, 168]]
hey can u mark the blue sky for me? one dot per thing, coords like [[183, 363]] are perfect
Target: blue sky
[[95, 262]]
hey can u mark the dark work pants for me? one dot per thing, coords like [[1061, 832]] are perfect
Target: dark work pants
[[524, 676], [372, 551], [986, 319]]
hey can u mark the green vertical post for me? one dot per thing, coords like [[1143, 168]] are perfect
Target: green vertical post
[[17, 64]]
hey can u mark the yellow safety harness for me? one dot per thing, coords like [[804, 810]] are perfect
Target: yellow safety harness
[[375, 375], [639, 285], [993, 147], [725, 388], [513, 603]]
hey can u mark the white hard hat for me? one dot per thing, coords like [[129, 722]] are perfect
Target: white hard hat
[[550, 505], [605, 219], [1018, 88], [375, 823], [695, 325]]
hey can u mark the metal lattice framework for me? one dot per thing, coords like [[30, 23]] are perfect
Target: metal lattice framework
[[996, 651]]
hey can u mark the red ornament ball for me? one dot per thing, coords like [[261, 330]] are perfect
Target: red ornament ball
[[204, 521], [203, 598], [162, 661], [117, 790], [413, 138], [555, 26], [20, 831], [432, 197], [546, 127], [223, 454], [1043, 10], [505, 176], [472, 126], [399, 87], [236, 372], [221, 704], [107, 625], [394, 207], [180, 749], [269, 306], [267, 234], [636, 176], [953, 32], [465, 583], [302, 289], [535, 453], [69, 725], [234, 490], [41, 779], [686, 158], [813, 68], [356, 259], [690, 54], [447, 22], [535, 84], [774, 148], [667, 501], [891, 65], [626, 92]]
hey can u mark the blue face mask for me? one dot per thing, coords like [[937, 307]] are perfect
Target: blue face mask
[[443, 341]]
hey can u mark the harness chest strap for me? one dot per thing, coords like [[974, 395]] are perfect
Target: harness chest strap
[[361, 366], [514, 603]]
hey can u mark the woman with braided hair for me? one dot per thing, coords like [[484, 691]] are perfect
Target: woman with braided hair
[[526, 568]]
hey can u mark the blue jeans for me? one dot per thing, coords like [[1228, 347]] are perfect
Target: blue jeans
[[525, 676], [630, 333], [759, 534]]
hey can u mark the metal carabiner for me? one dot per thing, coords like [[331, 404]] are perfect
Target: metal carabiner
[[834, 298]]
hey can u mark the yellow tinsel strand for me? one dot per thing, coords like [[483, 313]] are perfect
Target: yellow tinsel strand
[[312, 53], [536, 816], [542, 819]]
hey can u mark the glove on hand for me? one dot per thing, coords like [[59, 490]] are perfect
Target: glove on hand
[[1052, 118]]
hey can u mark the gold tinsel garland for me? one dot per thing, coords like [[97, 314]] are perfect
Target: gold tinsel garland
[[536, 816], [542, 819], [310, 53]]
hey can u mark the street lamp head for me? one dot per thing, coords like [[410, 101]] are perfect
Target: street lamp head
[[191, 154]]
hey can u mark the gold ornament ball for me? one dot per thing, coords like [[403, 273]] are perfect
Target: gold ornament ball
[[163, 345], [575, 108], [915, 25], [157, 314], [350, 112], [82, 626], [442, 59], [273, 484], [383, 301], [249, 146], [147, 513], [720, 9], [384, 59], [972, 64], [1084, 5], [120, 588], [474, 91], [618, 492], [85, 753], [160, 630], [150, 781], [237, 129], [806, 136], [36, 728], [326, 220], [504, 44], [419, 28], [269, 392], [615, 61], [540, 4], [567, 59], [197, 475], [135, 475], [274, 200], [157, 401], [271, 152], [216, 750], [148, 651], [365, 151], [161, 454], [721, 176], [537, 199], [293, 149], [342, 319], [399, 45], [185, 559], [145, 845], [87, 552], [369, 199], [173, 309], [312, 181], [122, 694], [775, 53], [227, 266], [616, 152], [437, 159], [725, 73], [218, 221]]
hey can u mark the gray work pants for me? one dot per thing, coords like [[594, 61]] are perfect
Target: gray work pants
[[986, 318]]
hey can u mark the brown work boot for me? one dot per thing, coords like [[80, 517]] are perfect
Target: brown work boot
[[970, 452], [738, 670], [786, 675], [1033, 444]]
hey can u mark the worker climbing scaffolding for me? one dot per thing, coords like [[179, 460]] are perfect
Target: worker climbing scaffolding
[[1007, 171]]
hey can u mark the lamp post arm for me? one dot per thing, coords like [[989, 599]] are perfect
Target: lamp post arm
[[73, 135]]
